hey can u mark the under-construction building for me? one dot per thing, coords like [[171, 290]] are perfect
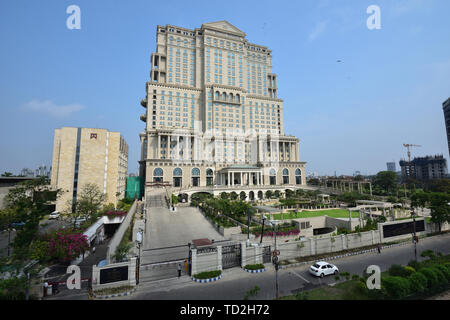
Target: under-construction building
[[425, 168]]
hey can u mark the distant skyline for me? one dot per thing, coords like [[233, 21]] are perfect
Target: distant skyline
[[353, 96]]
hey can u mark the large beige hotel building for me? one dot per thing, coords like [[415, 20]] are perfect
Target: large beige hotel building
[[213, 116], [88, 155]]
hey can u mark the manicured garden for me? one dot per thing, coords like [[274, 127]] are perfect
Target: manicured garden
[[417, 280], [334, 213]]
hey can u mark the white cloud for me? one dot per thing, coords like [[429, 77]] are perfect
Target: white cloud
[[48, 107], [318, 30]]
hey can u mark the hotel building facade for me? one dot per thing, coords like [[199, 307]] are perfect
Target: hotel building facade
[[88, 155], [213, 117]]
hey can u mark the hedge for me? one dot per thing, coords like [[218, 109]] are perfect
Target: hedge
[[208, 274], [418, 282], [396, 287], [254, 266]]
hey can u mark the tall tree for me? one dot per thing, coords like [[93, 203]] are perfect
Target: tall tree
[[29, 200], [440, 208], [88, 204], [386, 180]]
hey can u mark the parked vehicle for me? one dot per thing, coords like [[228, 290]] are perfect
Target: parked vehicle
[[322, 268], [54, 215], [17, 224], [78, 222]]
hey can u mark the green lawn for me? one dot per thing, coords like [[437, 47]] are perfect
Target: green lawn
[[334, 213], [348, 290]]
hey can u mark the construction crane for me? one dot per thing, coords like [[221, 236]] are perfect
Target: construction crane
[[409, 155]]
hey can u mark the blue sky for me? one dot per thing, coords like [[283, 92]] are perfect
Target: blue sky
[[353, 115]]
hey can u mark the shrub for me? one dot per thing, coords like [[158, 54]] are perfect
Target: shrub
[[418, 282], [337, 278], [414, 264], [432, 278], [254, 266], [355, 277], [409, 270], [396, 287], [208, 274], [428, 254], [397, 270], [444, 269], [442, 279]]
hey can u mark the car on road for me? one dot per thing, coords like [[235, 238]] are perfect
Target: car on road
[[77, 222], [17, 224], [322, 268], [54, 215]]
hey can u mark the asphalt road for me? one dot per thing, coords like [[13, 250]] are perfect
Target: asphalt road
[[235, 282]]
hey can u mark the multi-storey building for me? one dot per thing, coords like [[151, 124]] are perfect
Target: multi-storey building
[[446, 108], [88, 155], [391, 166], [425, 168], [213, 117]]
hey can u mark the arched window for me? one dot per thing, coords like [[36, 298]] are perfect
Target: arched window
[[177, 177], [298, 176], [209, 177], [224, 96], [273, 177], [158, 175], [231, 98], [217, 95], [285, 176], [238, 98], [195, 177]]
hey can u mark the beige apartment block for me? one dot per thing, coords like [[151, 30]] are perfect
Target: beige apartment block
[[88, 155], [212, 112]]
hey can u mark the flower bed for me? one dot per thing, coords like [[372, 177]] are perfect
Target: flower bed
[[255, 268], [207, 276], [114, 214], [292, 232]]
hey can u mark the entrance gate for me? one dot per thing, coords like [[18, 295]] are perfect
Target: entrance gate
[[231, 256]]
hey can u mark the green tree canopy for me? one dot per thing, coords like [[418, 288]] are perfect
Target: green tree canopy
[[386, 180]]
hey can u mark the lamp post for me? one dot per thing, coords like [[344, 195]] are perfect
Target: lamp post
[[415, 237], [275, 258], [262, 231], [138, 244], [248, 224]]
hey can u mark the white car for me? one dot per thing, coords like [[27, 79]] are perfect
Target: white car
[[54, 215], [322, 268]]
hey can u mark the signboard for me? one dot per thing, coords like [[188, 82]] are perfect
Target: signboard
[[398, 229], [113, 274]]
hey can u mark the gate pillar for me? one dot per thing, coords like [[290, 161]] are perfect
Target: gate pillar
[[219, 257]]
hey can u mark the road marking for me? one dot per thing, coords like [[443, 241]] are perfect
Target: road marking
[[300, 276]]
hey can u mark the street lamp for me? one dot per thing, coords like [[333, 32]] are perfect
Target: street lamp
[[415, 237], [138, 244], [262, 231], [275, 258]]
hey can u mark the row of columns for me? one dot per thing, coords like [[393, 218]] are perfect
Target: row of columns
[[248, 175], [192, 149], [189, 144], [349, 185]]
